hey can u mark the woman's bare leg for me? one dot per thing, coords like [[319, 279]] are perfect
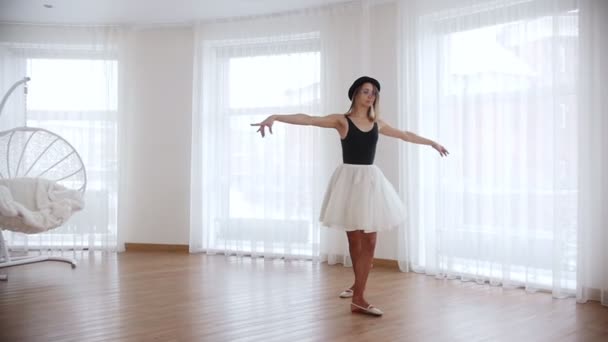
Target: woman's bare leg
[[354, 247], [362, 265]]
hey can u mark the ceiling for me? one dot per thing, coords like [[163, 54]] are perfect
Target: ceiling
[[142, 12]]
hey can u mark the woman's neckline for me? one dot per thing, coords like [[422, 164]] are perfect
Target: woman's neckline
[[357, 127]]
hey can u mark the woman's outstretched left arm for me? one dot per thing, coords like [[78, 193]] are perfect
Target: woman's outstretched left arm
[[386, 129]]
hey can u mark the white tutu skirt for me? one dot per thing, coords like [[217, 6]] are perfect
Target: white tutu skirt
[[359, 197]]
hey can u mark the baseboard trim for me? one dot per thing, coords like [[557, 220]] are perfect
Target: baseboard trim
[[386, 263], [154, 247]]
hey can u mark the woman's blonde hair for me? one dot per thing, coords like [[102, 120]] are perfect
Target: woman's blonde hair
[[374, 111]]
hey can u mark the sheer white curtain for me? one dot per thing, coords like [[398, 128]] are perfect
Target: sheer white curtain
[[496, 82], [73, 92], [261, 197], [592, 265]]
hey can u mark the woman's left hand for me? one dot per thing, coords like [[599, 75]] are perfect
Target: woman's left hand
[[442, 151]]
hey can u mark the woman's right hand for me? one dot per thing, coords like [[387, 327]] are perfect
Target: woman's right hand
[[266, 123], [442, 151]]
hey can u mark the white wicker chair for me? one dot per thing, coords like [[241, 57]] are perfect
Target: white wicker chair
[[32, 159]]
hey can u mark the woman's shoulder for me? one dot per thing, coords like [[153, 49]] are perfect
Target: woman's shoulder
[[383, 123], [339, 117], [334, 119], [380, 122]]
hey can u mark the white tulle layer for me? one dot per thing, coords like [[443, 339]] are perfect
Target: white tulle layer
[[359, 197]]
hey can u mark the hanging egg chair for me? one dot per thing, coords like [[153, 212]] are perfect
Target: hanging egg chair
[[42, 183]]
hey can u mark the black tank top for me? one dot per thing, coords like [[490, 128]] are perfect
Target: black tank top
[[359, 147]]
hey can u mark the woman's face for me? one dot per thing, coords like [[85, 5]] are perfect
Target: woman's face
[[366, 95]]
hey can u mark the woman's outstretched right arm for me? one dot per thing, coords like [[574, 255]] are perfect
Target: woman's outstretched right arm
[[329, 121]]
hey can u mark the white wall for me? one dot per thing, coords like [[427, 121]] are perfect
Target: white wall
[[158, 177], [160, 166]]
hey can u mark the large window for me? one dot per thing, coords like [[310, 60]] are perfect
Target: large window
[[260, 86], [265, 186], [76, 98], [500, 88]]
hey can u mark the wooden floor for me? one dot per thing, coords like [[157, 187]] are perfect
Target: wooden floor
[[147, 296]]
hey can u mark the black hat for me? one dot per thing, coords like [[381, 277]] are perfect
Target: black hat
[[359, 82]]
